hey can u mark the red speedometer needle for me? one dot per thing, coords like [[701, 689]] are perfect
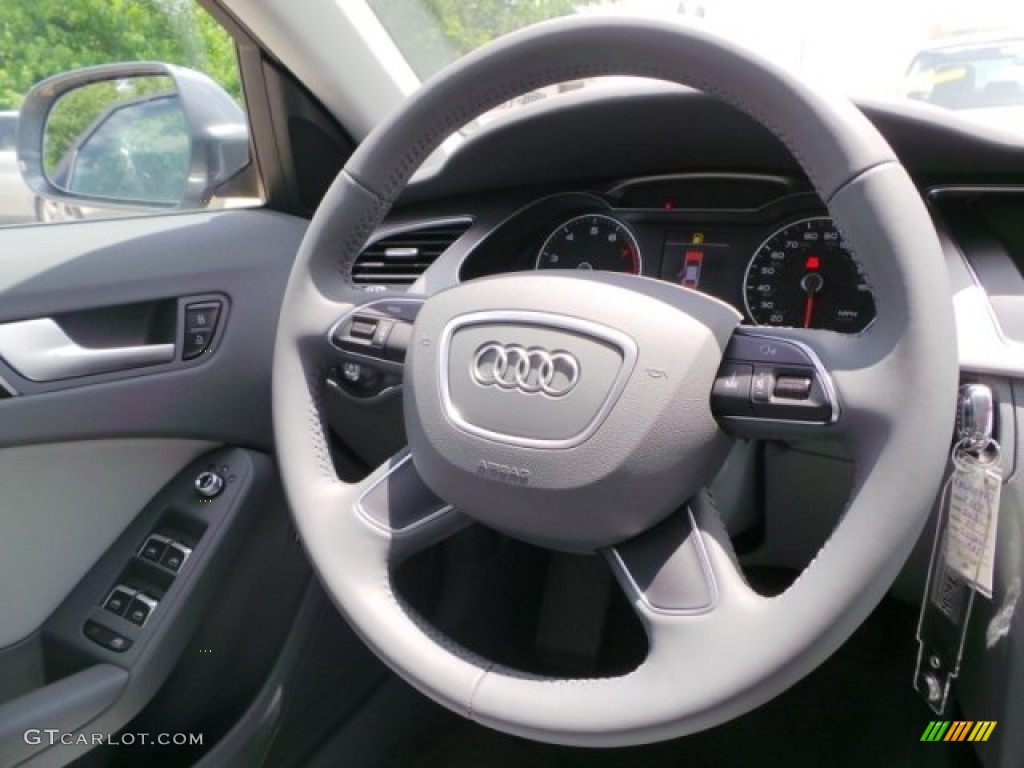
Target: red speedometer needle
[[808, 310], [812, 283]]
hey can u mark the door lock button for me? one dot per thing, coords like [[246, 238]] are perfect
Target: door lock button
[[202, 317], [108, 638], [200, 325], [196, 342]]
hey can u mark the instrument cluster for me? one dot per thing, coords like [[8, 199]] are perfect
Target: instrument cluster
[[765, 245]]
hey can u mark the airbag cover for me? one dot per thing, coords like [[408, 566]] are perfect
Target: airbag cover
[[568, 410]]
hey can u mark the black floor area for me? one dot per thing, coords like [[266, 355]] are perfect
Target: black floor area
[[857, 710]]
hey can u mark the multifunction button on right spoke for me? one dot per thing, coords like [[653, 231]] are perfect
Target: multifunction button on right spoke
[[772, 379]]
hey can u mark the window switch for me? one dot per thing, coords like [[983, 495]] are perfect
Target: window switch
[[175, 556], [141, 608], [154, 548], [108, 638], [119, 599]]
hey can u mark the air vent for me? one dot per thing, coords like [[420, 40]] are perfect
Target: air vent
[[400, 258]]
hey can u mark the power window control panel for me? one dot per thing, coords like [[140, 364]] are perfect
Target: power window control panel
[[130, 604], [165, 552]]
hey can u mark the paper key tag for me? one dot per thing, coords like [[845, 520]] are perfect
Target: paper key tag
[[973, 517]]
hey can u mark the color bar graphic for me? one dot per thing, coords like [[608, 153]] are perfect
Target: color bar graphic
[[959, 730]]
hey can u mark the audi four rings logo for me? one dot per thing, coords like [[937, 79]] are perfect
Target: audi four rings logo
[[530, 370]]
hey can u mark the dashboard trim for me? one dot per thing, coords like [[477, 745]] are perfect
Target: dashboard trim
[[982, 350]]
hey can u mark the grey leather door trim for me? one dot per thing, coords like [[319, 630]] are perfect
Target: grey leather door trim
[[63, 505], [243, 256]]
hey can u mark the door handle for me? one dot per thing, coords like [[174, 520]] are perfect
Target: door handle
[[39, 350]]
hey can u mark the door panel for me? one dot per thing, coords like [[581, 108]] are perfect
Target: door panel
[[224, 396], [63, 506], [93, 464]]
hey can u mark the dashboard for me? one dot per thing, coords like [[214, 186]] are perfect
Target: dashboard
[[686, 167], [763, 244]]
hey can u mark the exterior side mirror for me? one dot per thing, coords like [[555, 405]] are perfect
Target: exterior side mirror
[[139, 135]]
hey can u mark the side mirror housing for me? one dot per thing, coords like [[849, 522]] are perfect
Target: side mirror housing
[[139, 135]]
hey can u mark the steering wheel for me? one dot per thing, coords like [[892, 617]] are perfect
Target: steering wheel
[[601, 433]]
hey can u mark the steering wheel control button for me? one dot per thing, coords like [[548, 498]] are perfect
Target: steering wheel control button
[[363, 328], [118, 600], [209, 484], [762, 384], [380, 329], [730, 395], [380, 336], [793, 387], [787, 383], [105, 637], [154, 548], [141, 608], [767, 351], [352, 372], [175, 556], [366, 333]]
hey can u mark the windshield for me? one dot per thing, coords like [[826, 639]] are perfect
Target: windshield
[[967, 56]]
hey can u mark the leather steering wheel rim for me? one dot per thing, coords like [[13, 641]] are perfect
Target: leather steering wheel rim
[[895, 383]]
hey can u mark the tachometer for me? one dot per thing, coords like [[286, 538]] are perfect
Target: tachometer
[[804, 276], [592, 241]]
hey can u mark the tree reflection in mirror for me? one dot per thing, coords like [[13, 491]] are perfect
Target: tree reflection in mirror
[[124, 139]]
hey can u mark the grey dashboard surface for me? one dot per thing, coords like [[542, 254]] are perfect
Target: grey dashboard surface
[[592, 142], [243, 256], [646, 130]]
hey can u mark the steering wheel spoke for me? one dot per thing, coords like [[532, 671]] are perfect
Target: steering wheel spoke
[[682, 571], [395, 503]]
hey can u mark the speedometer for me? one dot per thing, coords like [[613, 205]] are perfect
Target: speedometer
[[592, 241], [804, 276]]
